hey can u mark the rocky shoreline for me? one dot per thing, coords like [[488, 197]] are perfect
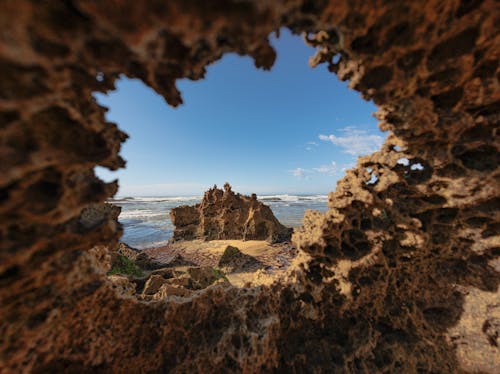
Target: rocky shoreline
[[185, 267], [227, 239]]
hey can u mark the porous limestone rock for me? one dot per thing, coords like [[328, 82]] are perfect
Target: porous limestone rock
[[222, 214], [153, 284], [122, 285], [385, 281], [127, 251], [139, 258], [204, 276], [96, 214], [165, 272], [182, 284], [167, 290], [181, 280]]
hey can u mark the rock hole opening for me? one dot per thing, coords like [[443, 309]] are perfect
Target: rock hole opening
[[417, 166], [174, 154]]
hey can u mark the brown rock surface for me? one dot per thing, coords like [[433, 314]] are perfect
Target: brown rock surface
[[385, 281], [204, 276], [179, 283], [139, 258], [127, 251], [122, 285], [222, 214], [153, 284], [168, 290]]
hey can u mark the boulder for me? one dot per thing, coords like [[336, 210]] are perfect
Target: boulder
[[222, 214], [143, 260], [171, 290], [153, 284], [233, 260], [182, 284], [165, 272], [204, 276], [95, 214], [181, 280], [127, 251], [122, 285]]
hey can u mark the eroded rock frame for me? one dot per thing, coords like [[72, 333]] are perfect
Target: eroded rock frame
[[400, 275]]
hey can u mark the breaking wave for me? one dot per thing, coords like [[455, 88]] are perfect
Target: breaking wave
[[152, 199], [293, 198]]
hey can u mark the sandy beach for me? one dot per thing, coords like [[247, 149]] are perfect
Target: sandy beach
[[273, 258]]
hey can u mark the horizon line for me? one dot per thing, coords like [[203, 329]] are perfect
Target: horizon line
[[241, 193]]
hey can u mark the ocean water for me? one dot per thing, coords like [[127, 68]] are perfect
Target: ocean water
[[147, 224]]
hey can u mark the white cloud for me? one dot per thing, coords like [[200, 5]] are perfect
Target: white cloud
[[332, 169], [327, 169], [355, 141], [300, 173]]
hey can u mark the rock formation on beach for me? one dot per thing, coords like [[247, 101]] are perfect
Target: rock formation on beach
[[166, 283], [137, 273], [142, 260], [400, 275], [222, 214], [233, 260]]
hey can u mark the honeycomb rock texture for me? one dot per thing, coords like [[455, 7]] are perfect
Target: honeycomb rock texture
[[401, 274], [222, 214]]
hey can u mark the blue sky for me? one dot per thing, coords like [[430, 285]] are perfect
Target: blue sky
[[289, 130]]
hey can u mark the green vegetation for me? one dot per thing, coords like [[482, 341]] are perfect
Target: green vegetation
[[218, 274], [125, 266]]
